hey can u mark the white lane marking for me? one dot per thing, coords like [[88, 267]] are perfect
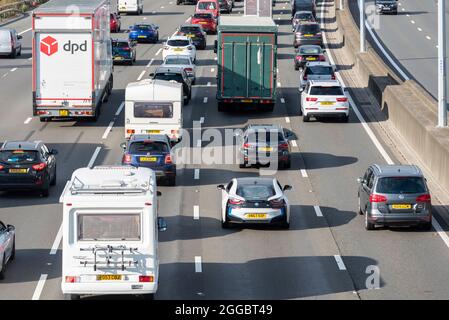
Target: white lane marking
[[340, 262], [400, 4], [202, 120], [108, 130], [198, 143], [39, 287], [171, 2], [198, 267], [28, 120], [440, 231], [294, 144], [419, 29], [282, 100], [57, 241], [287, 119], [120, 108], [407, 15], [144, 18], [209, 84], [31, 58], [436, 46], [196, 174], [153, 12], [4, 76], [428, 38], [159, 51], [94, 157], [150, 63], [196, 212], [13, 69], [24, 31], [304, 173], [141, 75], [279, 84], [205, 100], [318, 211], [212, 70], [215, 58], [412, 21], [162, 7]]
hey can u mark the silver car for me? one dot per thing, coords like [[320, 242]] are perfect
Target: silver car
[[316, 71], [184, 62], [7, 246], [394, 195], [10, 44]]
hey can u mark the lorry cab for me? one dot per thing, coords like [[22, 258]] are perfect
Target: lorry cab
[[110, 232], [211, 6], [154, 107]]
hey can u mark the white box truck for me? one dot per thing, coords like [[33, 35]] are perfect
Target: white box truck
[[72, 58], [130, 6], [154, 107], [110, 232]]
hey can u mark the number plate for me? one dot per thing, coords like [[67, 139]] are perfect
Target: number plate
[[308, 35], [18, 170], [256, 215], [265, 149], [401, 206], [153, 131], [109, 277], [247, 100], [327, 103], [148, 159], [118, 58], [179, 49], [310, 59], [63, 113], [141, 36]]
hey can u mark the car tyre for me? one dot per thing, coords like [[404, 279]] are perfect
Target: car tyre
[[43, 119], [221, 107], [13, 253], [285, 225], [72, 297], [296, 67], [225, 224], [243, 164], [148, 296], [345, 119], [20, 52], [286, 164], [427, 226], [269, 107], [2, 272], [368, 224], [14, 54], [53, 181], [305, 118]]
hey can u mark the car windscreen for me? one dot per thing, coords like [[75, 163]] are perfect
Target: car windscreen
[[120, 47], [318, 71], [206, 6], [178, 43], [19, 156], [272, 137], [177, 61], [397, 185], [309, 50], [255, 191], [203, 15], [326, 91], [143, 147], [309, 28], [153, 110], [109, 227]]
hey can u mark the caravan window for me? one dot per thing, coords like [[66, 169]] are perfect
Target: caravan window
[[153, 110], [109, 227]]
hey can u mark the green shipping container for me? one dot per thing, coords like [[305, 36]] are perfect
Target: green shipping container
[[247, 64]]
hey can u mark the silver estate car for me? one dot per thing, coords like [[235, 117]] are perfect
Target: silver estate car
[[7, 246], [394, 195]]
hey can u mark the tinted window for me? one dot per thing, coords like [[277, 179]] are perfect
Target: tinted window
[[190, 30], [309, 50], [309, 28], [148, 146], [319, 70], [178, 43], [326, 91], [203, 15], [120, 44], [19, 156], [304, 16], [143, 27], [106, 227], [206, 6], [401, 185], [153, 110], [255, 191], [177, 60], [169, 76], [264, 136]]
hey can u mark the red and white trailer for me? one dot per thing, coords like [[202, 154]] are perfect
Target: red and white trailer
[[72, 58]]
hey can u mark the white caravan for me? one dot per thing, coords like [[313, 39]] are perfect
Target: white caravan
[[110, 232], [154, 107], [130, 6]]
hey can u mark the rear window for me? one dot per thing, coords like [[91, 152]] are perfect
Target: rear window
[[177, 61], [5, 36], [264, 136], [109, 227], [326, 91], [167, 76], [178, 43], [190, 30], [120, 44], [394, 185], [203, 15], [309, 50], [144, 147], [304, 16], [206, 6], [153, 110], [309, 28], [143, 27], [319, 70], [19, 156], [255, 191]]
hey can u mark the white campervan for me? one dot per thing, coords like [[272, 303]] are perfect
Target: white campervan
[[154, 107], [130, 6], [110, 232]]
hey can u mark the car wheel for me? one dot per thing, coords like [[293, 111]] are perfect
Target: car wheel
[[72, 297], [43, 119], [225, 224], [186, 101], [427, 226], [178, 2], [243, 164], [46, 192], [345, 119], [305, 118], [368, 224], [285, 225], [296, 67], [360, 211], [14, 54], [20, 52], [2, 272], [13, 252], [53, 181], [288, 164], [148, 296]]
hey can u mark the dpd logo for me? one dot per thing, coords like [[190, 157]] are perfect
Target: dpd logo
[[49, 45]]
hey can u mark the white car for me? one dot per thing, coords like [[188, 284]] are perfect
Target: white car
[[324, 98], [183, 61], [254, 200], [321, 70], [179, 45]]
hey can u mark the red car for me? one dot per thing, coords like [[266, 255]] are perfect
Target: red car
[[211, 6], [115, 23], [206, 20]]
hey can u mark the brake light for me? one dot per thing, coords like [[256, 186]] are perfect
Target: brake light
[[283, 146], [333, 76], [1, 167], [189, 69], [235, 201], [174, 131], [304, 77], [299, 58], [377, 198], [146, 279], [277, 203], [130, 131], [168, 159], [424, 198], [246, 146], [127, 158], [342, 99], [72, 279], [323, 58], [39, 167], [126, 48], [311, 99]]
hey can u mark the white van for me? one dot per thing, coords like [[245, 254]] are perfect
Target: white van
[[110, 232], [10, 44], [130, 6], [154, 107]]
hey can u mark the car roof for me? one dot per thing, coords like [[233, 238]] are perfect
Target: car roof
[[143, 24], [6, 29], [190, 25], [398, 170], [264, 126], [175, 69], [153, 137], [326, 83], [178, 38], [318, 64], [25, 145], [253, 180], [309, 23]]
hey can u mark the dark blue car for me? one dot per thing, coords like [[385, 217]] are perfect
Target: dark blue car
[[152, 151], [144, 33]]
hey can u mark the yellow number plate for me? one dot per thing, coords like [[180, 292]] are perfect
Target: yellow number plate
[[327, 103], [256, 215], [202, 22], [108, 277], [141, 36], [148, 159], [247, 100], [153, 131], [401, 206], [190, 35], [63, 113], [266, 149], [179, 49], [18, 170], [310, 59]]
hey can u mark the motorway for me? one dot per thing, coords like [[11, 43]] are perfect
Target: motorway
[[410, 39], [324, 255]]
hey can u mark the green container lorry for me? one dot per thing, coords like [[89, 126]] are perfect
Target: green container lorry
[[246, 48]]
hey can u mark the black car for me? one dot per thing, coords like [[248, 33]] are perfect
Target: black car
[[386, 6], [123, 51], [308, 33], [26, 165], [196, 33], [225, 6], [177, 74]]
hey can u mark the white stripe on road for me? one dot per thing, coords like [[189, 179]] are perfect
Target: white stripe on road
[[141, 75], [428, 38], [198, 143], [440, 231], [209, 84], [150, 63], [198, 267], [212, 70], [202, 120], [57, 241], [31, 58], [159, 51], [287, 119], [340, 262], [304, 173], [282, 100], [39, 287], [94, 157], [108, 129], [205, 100], [318, 211], [196, 174], [412, 21], [294, 144], [120, 108], [13, 69], [196, 212], [24, 31], [5, 75], [419, 29], [28, 120], [279, 83]]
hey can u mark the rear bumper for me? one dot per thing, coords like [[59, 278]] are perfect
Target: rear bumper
[[8, 186], [399, 219], [318, 42], [109, 288], [276, 216], [318, 113]]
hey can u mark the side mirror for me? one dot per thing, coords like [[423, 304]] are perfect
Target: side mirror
[[10, 227], [53, 151], [158, 193], [287, 187], [220, 187], [161, 224], [152, 74], [123, 145], [360, 180], [19, 37]]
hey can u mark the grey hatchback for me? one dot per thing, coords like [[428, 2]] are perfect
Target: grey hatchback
[[394, 195]]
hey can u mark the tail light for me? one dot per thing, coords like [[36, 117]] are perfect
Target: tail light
[[189, 69], [174, 131], [72, 279], [126, 48], [1, 167], [304, 77], [342, 99], [168, 159], [424, 198], [130, 131], [190, 47], [39, 167], [311, 99], [127, 158], [146, 279], [235, 201], [246, 146], [283, 146], [323, 58], [277, 203], [299, 58], [377, 198], [333, 76]]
